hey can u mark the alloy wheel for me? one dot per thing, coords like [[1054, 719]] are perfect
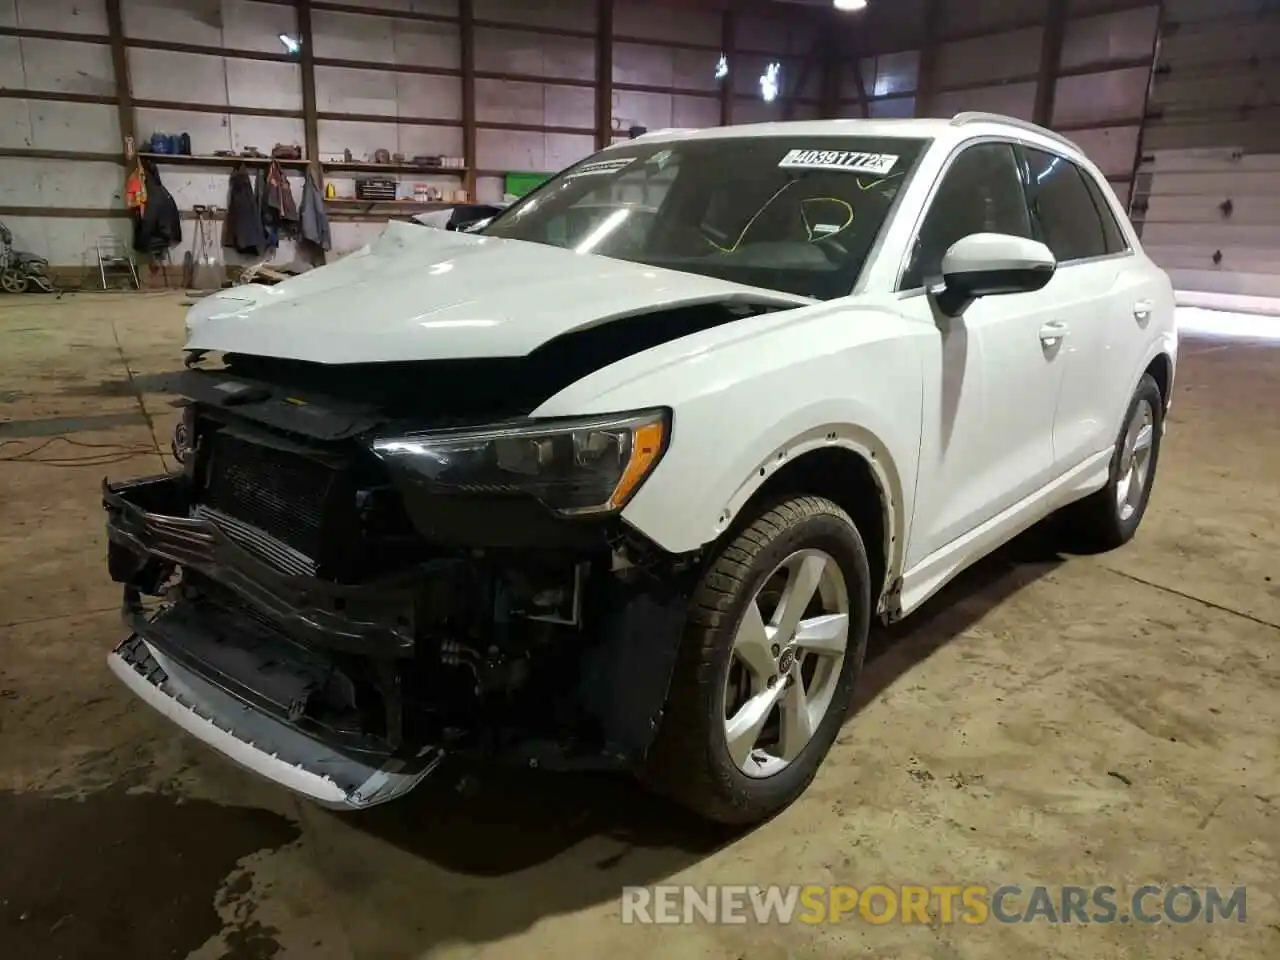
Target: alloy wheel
[[11, 281], [787, 656], [1135, 460]]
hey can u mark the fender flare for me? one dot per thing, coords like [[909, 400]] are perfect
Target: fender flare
[[765, 463], [1165, 345]]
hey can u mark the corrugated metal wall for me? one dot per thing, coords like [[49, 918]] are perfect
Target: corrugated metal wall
[[1079, 66], [1208, 192]]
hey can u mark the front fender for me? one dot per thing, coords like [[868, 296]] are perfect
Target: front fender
[[695, 498], [752, 395]]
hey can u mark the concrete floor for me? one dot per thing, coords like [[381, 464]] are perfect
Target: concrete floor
[[1049, 720]]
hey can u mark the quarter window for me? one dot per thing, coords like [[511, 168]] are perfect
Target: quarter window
[[981, 192], [1066, 209], [1117, 242]]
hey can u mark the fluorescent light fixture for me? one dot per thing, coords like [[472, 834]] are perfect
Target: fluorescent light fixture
[[722, 67], [848, 6], [770, 82], [290, 44]]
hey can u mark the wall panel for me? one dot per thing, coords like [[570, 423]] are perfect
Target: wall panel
[[387, 77], [1209, 184], [1012, 99], [676, 25], [540, 55], [1000, 57], [565, 14]]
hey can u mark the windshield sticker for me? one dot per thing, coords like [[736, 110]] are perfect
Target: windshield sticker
[[875, 163], [600, 166]]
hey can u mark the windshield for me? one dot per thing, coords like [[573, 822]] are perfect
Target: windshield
[[793, 214]]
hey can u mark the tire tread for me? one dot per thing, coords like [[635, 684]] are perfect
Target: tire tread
[[679, 765]]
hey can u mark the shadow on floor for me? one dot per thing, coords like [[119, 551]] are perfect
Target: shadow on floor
[[123, 873], [128, 874], [546, 833]]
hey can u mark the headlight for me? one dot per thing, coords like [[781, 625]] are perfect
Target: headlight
[[592, 465]]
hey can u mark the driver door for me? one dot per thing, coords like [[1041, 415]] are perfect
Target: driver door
[[991, 378]]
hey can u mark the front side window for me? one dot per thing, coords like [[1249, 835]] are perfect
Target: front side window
[[794, 214], [981, 192], [1064, 207]]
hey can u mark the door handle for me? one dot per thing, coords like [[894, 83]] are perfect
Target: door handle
[[1142, 310], [1051, 333]]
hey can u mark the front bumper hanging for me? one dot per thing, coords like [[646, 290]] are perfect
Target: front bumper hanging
[[237, 686], [260, 743]]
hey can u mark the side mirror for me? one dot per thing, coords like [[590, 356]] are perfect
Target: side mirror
[[990, 264]]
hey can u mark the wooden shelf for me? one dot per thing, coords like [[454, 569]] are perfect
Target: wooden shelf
[[355, 166], [398, 206], [184, 160]]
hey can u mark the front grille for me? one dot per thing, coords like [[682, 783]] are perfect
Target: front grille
[[282, 556], [283, 494]]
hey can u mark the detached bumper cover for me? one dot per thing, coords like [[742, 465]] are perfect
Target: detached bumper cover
[[258, 742], [148, 518]]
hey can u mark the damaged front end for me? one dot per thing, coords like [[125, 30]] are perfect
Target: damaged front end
[[336, 594]]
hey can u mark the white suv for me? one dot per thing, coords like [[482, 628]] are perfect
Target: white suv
[[622, 478]]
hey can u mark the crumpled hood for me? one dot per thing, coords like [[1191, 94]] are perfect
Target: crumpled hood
[[422, 294]]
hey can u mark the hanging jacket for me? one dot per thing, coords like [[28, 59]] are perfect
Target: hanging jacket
[[314, 225], [157, 225], [279, 198], [270, 228], [242, 229]]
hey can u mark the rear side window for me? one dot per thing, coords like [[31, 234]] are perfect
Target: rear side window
[[1111, 231], [981, 192], [1066, 209]]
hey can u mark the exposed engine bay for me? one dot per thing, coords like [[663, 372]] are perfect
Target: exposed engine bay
[[302, 588]]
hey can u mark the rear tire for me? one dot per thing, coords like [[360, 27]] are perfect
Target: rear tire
[[744, 658], [1109, 518]]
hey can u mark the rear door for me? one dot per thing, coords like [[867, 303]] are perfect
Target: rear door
[[1098, 295]]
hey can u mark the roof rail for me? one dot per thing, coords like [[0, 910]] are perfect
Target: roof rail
[[978, 116]]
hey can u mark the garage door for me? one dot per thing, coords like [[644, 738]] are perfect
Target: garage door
[[1207, 198]]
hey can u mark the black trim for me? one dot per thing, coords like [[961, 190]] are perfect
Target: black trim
[[954, 298], [148, 526]]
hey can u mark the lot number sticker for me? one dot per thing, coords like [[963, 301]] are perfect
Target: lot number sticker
[[873, 163]]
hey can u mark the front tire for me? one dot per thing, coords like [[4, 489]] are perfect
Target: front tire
[[776, 637], [1109, 518]]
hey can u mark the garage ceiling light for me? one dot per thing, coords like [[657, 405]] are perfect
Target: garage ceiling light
[[770, 82], [850, 5]]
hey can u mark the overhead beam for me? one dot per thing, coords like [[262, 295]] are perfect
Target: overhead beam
[[927, 82], [467, 38], [124, 87], [310, 121], [1133, 203], [817, 55], [1050, 61], [604, 73]]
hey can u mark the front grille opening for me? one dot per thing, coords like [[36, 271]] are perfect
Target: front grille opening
[[284, 494]]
